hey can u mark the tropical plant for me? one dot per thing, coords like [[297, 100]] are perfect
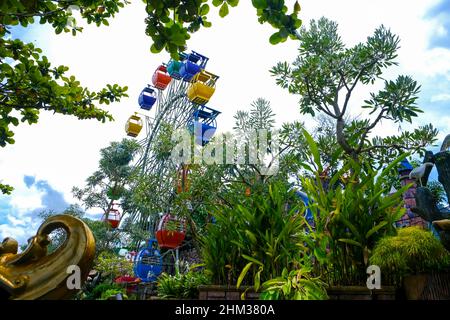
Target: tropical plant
[[412, 251], [294, 285], [258, 235], [352, 210], [181, 286]]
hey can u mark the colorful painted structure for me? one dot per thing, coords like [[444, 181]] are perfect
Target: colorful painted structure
[[409, 218]]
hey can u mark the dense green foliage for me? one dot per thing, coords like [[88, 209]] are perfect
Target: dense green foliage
[[297, 284], [259, 236], [412, 251], [103, 292], [170, 23], [181, 286]]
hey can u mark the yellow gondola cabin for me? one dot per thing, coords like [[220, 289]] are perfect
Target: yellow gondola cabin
[[133, 125], [202, 87]]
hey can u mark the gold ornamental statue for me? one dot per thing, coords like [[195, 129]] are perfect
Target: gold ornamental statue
[[35, 274]]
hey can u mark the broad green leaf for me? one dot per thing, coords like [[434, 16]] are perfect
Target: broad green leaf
[[252, 259], [375, 229], [259, 4], [204, 9], [223, 10], [243, 274], [275, 38], [313, 148], [350, 241]]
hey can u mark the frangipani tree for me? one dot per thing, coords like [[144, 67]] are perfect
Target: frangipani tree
[[326, 74]]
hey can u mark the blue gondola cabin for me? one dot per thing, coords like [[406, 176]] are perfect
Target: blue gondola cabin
[[148, 262], [192, 65], [203, 124], [174, 66], [147, 98]]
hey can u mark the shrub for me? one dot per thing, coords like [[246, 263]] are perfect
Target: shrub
[[412, 251], [294, 285]]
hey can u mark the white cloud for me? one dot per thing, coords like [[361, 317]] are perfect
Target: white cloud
[[12, 232], [440, 97]]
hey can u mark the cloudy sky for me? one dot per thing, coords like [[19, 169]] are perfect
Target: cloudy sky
[[51, 157]]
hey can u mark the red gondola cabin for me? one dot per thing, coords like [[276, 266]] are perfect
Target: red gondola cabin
[[171, 232], [161, 78]]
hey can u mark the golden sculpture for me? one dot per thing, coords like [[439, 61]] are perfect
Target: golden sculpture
[[34, 274]]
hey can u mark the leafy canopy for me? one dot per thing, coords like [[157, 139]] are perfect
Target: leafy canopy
[[171, 22], [325, 75], [29, 83]]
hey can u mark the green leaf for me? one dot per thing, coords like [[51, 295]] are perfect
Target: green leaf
[[258, 279], [154, 49], [204, 9], [243, 274], [259, 4], [233, 3], [252, 259], [223, 10], [350, 241], [275, 38], [313, 148], [375, 229]]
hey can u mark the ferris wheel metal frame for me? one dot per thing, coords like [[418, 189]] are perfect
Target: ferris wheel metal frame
[[172, 107]]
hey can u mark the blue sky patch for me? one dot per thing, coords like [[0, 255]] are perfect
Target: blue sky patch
[[441, 13]]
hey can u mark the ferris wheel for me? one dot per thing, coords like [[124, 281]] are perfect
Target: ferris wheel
[[176, 98]]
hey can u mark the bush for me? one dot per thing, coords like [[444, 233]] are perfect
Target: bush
[[99, 292], [113, 265], [412, 251], [181, 286]]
